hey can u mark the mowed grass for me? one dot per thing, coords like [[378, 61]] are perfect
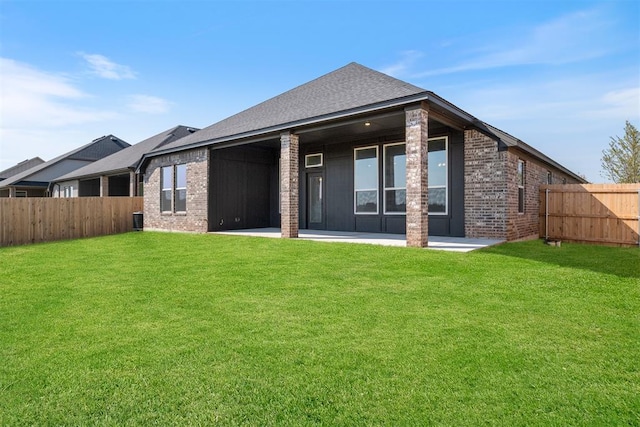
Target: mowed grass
[[179, 329]]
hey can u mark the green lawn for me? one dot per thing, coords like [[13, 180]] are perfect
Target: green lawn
[[180, 329]]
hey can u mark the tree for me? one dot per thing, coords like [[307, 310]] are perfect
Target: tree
[[621, 161]]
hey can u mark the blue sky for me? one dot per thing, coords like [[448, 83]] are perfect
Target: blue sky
[[562, 76]]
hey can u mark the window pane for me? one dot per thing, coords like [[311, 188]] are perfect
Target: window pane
[[181, 176], [166, 178], [313, 160], [396, 200], [366, 169], [520, 172], [165, 201], [395, 165], [181, 200], [521, 199], [367, 201], [437, 167], [437, 200]]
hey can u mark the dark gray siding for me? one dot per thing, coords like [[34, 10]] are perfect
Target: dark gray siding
[[240, 183], [338, 195]]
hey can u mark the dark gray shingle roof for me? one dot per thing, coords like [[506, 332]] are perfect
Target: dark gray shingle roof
[[129, 157], [20, 167], [348, 87], [105, 144]]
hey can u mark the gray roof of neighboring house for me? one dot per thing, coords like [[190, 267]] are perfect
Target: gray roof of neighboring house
[[347, 91], [92, 151], [129, 157], [20, 167]]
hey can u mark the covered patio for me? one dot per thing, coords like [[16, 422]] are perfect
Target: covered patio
[[445, 243]]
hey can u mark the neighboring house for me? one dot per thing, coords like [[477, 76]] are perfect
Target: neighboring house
[[20, 167], [35, 181], [353, 150], [115, 175]]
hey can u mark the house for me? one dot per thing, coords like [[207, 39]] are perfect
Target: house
[[353, 150], [115, 175], [35, 182], [20, 167]]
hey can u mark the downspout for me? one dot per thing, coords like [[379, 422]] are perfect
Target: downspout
[[546, 215]]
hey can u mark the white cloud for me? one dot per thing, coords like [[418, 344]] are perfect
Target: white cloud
[[408, 58], [103, 67], [571, 38], [35, 98], [148, 104]]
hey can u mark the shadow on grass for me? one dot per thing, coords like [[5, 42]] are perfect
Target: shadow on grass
[[622, 262]]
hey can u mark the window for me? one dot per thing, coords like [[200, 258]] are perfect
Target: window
[[173, 188], [438, 182], [21, 193], [366, 180], [521, 172], [313, 160], [180, 195], [395, 178], [549, 178], [166, 185]]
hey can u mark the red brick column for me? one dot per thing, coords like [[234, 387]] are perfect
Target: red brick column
[[289, 185], [416, 134]]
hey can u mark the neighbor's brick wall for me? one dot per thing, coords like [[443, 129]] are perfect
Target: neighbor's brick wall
[[485, 189], [196, 218]]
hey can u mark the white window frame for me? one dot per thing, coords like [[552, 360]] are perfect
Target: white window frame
[[522, 181], [446, 173], [176, 188], [384, 179], [356, 190], [169, 188], [21, 193], [310, 156]]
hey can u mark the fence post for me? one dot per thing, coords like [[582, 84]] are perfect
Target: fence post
[[546, 215]]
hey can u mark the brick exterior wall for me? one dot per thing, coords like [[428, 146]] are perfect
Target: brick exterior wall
[[485, 192], [417, 172], [524, 225], [289, 220], [491, 189], [196, 217]]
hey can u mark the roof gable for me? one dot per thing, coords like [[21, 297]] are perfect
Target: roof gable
[[105, 145], [346, 88], [129, 157], [22, 166]]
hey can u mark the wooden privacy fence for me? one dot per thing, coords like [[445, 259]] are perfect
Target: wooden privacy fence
[[591, 213], [34, 220]]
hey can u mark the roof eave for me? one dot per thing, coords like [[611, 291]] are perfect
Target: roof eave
[[275, 130]]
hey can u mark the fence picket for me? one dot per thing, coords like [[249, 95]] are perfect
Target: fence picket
[[36, 220]]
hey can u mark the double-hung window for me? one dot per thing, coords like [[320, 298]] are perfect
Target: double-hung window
[[166, 186], [437, 164], [521, 182], [366, 180], [395, 178], [173, 188], [180, 193]]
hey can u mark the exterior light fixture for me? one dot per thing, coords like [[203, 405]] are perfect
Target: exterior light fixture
[[367, 123]]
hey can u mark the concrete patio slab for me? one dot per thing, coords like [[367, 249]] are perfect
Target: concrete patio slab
[[453, 244]]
